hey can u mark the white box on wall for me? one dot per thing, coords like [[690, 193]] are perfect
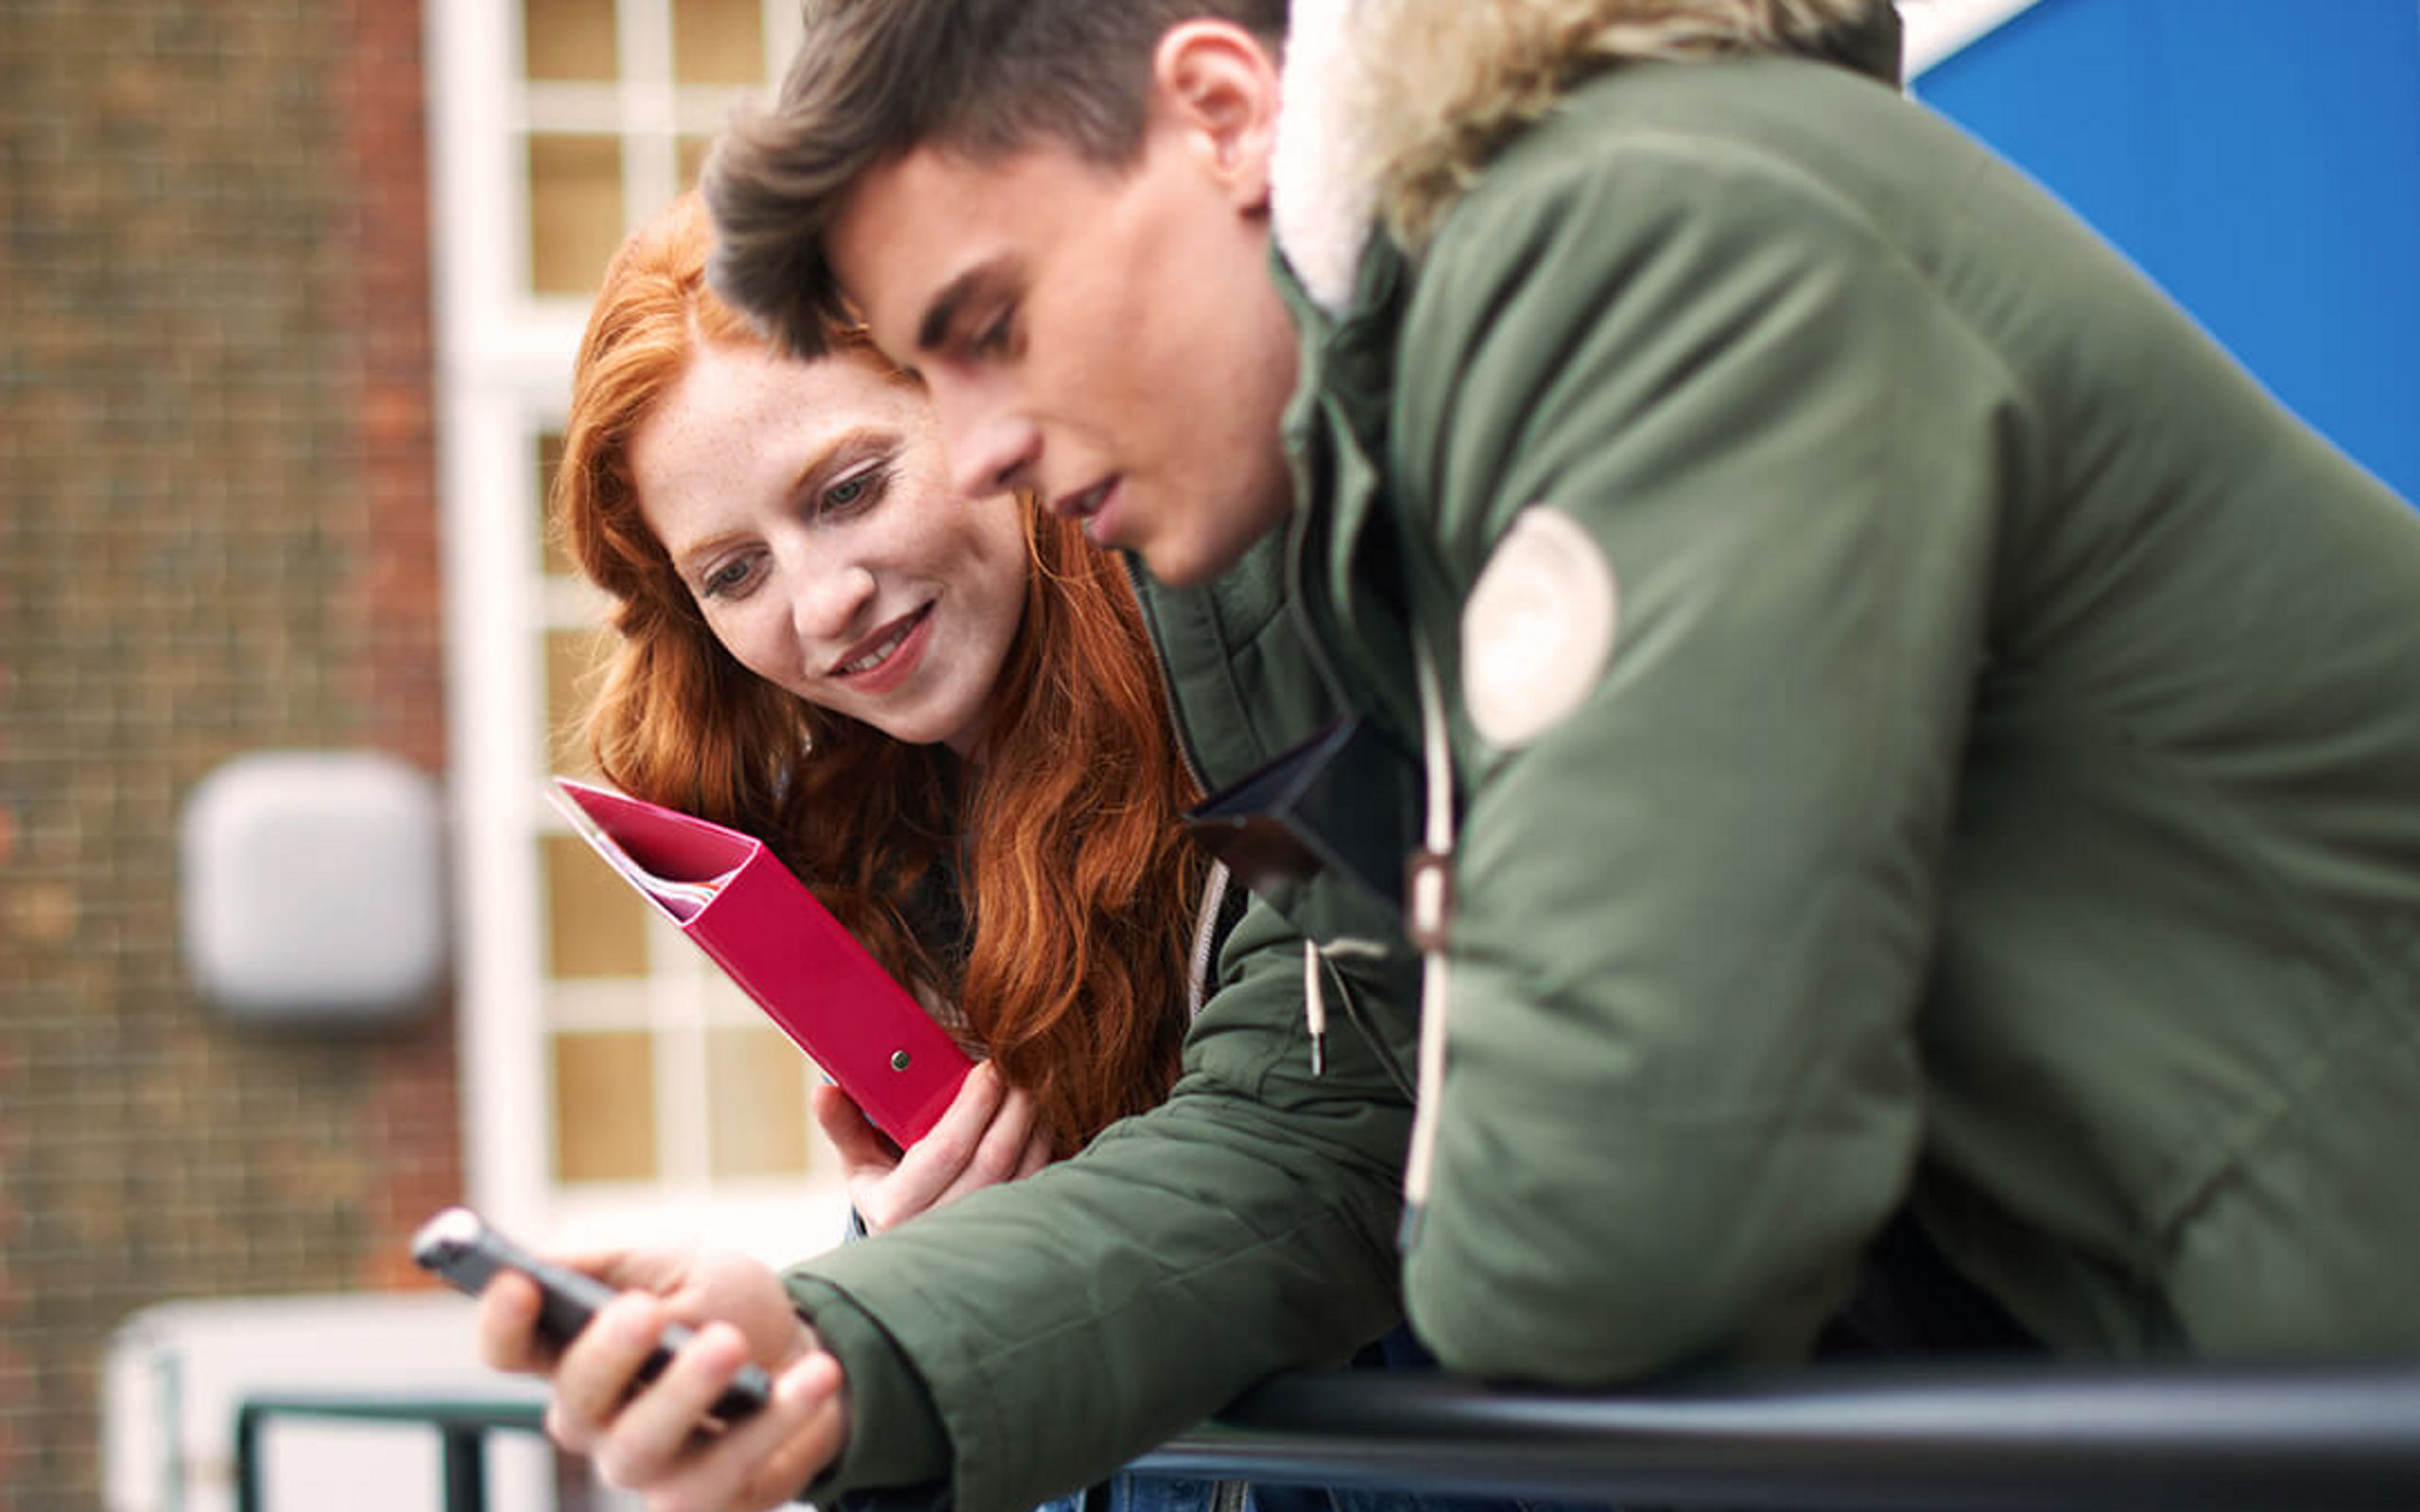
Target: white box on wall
[[311, 887]]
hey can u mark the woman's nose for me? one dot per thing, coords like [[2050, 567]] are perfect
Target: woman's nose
[[832, 602]]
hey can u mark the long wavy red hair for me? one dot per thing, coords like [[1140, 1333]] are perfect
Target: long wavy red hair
[[1076, 883]]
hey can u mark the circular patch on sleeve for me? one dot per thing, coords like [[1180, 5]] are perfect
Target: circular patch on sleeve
[[1538, 627]]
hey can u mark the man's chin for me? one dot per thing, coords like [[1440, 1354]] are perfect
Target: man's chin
[[1184, 568], [1180, 569], [1185, 563]]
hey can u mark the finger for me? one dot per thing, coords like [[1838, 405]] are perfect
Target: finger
[[935, 1163], [997, 1156], [863, 1148], [659, 1435], [760, 1462], [599, 1368], [1040, 1150], [806, 1429], [628, 1270], [507, 1326]]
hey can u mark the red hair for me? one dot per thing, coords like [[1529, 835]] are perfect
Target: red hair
[[1076, 883]]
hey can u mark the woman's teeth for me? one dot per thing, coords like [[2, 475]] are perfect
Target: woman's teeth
[[881, 653]]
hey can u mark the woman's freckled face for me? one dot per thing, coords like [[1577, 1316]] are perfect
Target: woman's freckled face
[[808, 509]]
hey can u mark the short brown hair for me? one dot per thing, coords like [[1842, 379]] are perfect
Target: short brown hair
[[874, 79]]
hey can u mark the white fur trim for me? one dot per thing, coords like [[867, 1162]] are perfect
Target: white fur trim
[[1322, 200]]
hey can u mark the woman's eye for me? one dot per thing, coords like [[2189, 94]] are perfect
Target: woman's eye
[[724, 582], [859, 491]]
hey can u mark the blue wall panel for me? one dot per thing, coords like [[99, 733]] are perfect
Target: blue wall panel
[[2261, 160]]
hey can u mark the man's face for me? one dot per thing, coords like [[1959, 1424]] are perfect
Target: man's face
[[1110, 339]]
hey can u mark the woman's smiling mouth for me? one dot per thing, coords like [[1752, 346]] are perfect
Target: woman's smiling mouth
[[876, 663]]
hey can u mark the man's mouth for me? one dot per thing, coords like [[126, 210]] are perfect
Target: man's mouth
[[1082, 506], [876, 648]]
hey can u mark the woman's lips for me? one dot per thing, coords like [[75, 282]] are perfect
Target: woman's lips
[[892, 652]]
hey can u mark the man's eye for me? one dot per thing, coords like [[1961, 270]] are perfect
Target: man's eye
[[993, 340]]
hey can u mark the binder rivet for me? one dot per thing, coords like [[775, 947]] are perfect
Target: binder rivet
[[899, 1060]]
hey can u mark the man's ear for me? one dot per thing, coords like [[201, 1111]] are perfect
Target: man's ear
[[1214, 83]]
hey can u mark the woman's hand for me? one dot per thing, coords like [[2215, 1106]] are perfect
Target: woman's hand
[[655, 1438], [991, 1134]]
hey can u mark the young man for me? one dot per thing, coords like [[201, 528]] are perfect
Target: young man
[[1907, 721]]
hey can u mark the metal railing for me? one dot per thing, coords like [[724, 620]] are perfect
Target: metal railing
[[2242, 1438], [462, 1425]]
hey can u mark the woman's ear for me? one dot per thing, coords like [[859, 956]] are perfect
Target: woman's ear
[[1215, 83]]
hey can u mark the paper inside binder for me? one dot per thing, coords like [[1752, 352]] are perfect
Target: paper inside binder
[[683, 897]]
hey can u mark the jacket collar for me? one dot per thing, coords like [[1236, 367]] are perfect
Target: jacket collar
[[1392, 107], [1336, 428], [1322, 182]]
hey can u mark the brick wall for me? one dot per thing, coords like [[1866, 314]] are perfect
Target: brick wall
[[216, 535]]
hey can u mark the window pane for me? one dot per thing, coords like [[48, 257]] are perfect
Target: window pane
[[604, 1107], [550, 457], [692, 150], [756, 1101], [574, 210], [567, 39], [595, 921], [717, 42], [574, 661]]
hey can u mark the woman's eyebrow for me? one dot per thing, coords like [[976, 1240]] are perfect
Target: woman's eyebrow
[[839, 450]]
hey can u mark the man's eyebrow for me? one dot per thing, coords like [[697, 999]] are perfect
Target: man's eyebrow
[[932, 331]]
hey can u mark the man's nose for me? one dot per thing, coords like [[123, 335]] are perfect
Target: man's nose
[[992, 448]]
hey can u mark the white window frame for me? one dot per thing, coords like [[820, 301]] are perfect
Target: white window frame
[[502, 376]]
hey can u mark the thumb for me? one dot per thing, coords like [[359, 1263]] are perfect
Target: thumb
[[860, 1144]]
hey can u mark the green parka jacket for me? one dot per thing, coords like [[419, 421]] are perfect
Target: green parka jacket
[[1924, 726]]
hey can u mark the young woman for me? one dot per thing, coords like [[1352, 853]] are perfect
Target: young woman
[[941, 711]]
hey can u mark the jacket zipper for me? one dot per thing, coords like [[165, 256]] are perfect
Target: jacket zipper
[[1428, 906], [1213, 890], [1205, 940], [1185, 755]]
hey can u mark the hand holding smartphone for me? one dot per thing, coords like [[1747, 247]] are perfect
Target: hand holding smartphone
[[460, 1247]]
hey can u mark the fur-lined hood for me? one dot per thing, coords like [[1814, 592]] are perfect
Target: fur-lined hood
[[1393, 105]]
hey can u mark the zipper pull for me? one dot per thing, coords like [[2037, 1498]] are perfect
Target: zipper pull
[[1314, 1008]]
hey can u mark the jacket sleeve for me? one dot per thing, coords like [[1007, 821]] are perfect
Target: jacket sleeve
[[1694, 914], [1033, 1337]]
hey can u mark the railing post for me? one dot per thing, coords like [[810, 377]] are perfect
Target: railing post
[[248, 1458], [466, 1473]]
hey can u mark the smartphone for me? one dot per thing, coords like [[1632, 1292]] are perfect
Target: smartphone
[[459, 1245]]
